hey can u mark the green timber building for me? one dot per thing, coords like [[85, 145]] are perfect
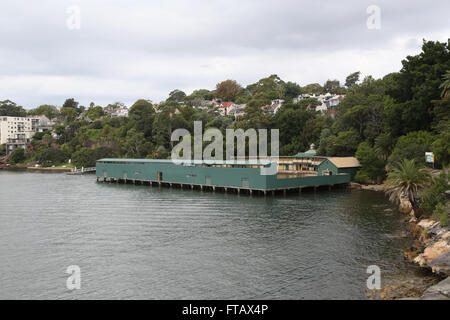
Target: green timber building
[[292, 173]]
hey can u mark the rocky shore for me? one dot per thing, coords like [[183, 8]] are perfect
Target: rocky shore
[[430, 250]]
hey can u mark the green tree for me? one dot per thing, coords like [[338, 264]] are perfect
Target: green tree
[[84, 158], [417, 84], [176, 95], [51, 156], [331, 86], [47, 110], [17, 156], [70, 103], [352, 79], [313, 88], [10, 109], [291, 90], [430, 197], [372, 164], [405, 179], [69, 114], [384, 144], [292, 125], [412, 146], [445, 86], [95, 112], [344, 144], [227, 90]]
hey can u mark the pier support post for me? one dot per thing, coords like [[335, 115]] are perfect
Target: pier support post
[[225, 189]]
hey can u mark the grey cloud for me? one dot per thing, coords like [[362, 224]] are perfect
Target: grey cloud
[[162, 45]]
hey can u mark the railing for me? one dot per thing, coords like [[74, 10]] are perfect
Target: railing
[[83, 170], [16, 141]]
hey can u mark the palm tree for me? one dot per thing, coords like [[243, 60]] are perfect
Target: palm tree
[[405, 179], [384, 144], [445, 86]]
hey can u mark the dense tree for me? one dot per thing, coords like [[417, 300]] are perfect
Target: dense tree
[[313, 88], [227, 90], [352, 79], [142, 114], [371, 162], [47, 110], [417, 85], [291, 90], [412, 146], [405, 179], [70, 103], [95, 112], [9, 108], [176, 95], [292, 125], [331, 86], [17, 156], [344, 144], [445, 85], [51, 156]]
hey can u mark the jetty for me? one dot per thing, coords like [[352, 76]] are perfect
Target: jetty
[[82, 170]]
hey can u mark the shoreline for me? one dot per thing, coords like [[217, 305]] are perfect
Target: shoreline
[[430, 251], [42, 169]]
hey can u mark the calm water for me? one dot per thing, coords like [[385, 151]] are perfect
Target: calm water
[[138, 242]]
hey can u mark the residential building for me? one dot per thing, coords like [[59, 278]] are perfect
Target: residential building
[[120, 112], [17, 132], [225, 107], [328, 102]]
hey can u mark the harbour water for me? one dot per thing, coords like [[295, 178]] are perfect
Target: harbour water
[[141, 242]]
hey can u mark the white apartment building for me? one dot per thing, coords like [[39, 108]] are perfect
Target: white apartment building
[[17, 131]]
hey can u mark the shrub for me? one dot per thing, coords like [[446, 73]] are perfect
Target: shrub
[[84, 158], [362, 177], [430, 197], [17, 156], [51, 156], [440, 214]]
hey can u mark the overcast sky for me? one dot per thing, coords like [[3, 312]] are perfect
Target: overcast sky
[[126, 50]]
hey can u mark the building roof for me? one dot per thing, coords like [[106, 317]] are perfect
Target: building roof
[[226, 104], [232, 162], [345, 162]]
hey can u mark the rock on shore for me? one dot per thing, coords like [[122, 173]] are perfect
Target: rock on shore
[[436, 254], [440, 291], [431, 250]]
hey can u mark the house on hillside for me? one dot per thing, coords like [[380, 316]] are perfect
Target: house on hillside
[[225, 107]]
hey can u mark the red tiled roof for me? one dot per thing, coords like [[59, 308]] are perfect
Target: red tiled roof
[[226, 104]]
